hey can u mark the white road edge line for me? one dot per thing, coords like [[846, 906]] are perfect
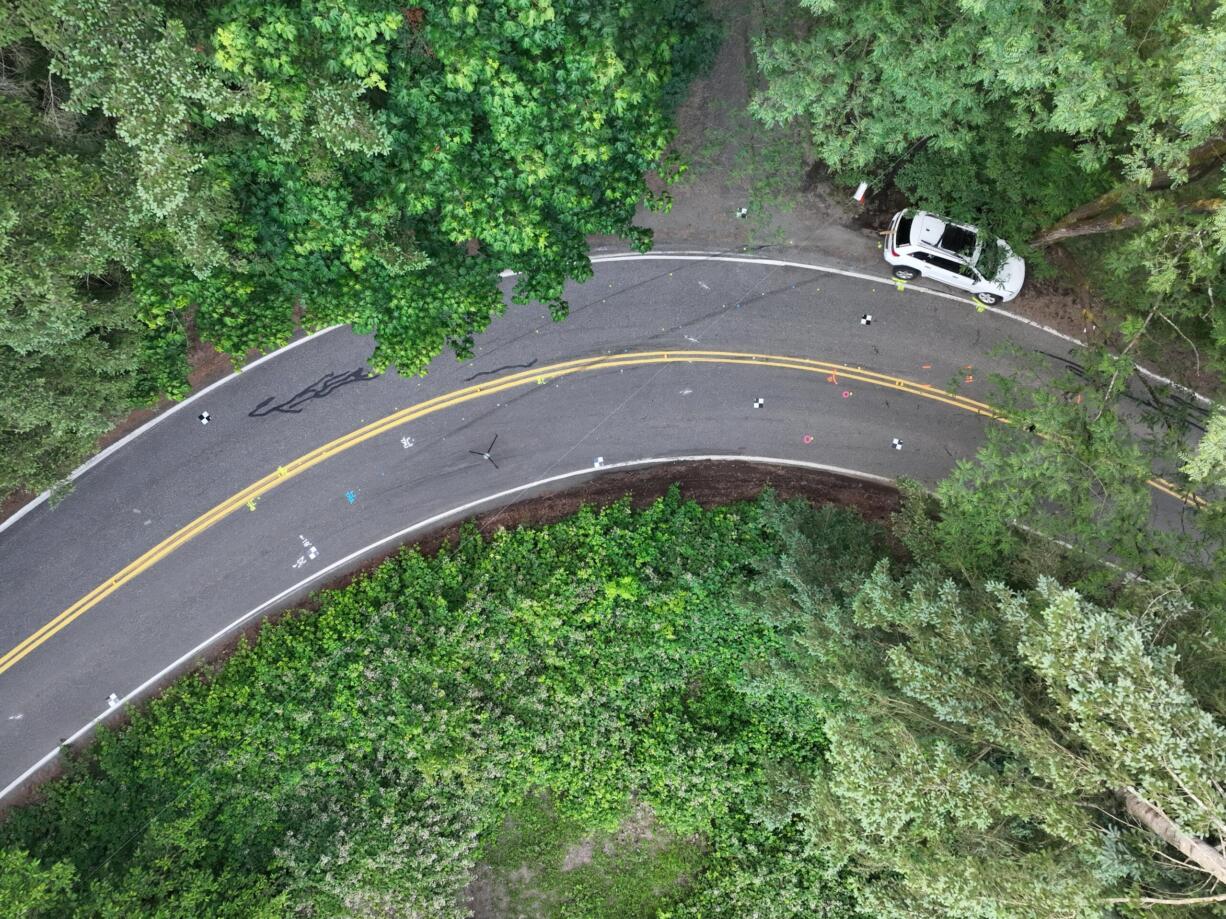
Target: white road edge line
[[682, 255], [784, 263], [159, 418], [343, 563]]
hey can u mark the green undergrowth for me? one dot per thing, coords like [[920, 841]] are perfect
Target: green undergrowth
[[363, 759], [540, 863]]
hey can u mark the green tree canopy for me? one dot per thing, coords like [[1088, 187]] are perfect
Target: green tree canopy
[[988, 746], [1038, 121], [1127, 83], [247, 168], [69, 340]]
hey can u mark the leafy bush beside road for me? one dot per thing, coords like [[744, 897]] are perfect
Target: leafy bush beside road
[[355, 759], [814, 727]]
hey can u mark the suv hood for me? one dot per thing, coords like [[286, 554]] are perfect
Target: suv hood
[[1011, 276]]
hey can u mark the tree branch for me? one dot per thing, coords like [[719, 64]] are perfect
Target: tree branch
[[1068, 229], [1206, 857], [1157, 901]]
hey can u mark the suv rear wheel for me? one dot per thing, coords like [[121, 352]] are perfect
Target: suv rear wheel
[[906, 274], [987, 299]]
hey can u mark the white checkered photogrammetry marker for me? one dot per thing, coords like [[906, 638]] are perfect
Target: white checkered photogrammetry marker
[[897, 443], [866, 319], [758, 403], [741, 212], [204, 417]]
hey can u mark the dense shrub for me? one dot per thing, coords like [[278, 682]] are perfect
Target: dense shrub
[[353, 759]]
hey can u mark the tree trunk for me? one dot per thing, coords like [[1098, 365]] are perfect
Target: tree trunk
[[1089, 224], [1158, 823], [1083, 221]]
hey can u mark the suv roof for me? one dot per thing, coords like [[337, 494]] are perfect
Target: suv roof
[[927, 230]]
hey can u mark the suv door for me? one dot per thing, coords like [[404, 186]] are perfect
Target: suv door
[[945, 270]]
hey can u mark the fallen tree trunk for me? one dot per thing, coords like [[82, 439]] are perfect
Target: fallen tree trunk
[[1115, 222], [1082, 221], [1151, 817]]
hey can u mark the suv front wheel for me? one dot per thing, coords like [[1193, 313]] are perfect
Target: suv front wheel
[[987, 299], [906, 274]]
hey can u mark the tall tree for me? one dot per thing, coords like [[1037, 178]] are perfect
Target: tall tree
[[1123, 80], [996, 753], [69, 344], [461, 141], [1039, 121]]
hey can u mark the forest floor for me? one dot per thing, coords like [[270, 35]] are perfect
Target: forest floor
[[543, 865]]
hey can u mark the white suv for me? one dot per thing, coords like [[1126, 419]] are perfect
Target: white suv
[[920, 243]]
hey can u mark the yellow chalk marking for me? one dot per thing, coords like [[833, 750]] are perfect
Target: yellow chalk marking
[[249, 495]]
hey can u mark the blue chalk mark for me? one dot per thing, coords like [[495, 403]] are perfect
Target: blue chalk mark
[[351, 496]]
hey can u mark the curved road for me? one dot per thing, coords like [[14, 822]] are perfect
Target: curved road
[[306, 464]]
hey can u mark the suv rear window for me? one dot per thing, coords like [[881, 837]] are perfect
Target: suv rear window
[[956, 239], [902, 236]]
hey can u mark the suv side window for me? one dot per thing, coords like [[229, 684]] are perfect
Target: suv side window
[[944, 263]]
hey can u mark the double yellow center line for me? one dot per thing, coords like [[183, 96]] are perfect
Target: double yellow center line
[[458, 397]]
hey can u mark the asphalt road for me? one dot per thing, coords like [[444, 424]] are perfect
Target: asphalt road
[[560, 400]]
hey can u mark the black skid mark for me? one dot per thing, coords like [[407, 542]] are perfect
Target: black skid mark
[[484, 373], [320, 389]]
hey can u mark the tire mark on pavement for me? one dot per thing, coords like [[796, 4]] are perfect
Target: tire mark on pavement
[[485, 373]]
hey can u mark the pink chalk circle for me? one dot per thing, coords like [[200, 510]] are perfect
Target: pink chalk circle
[[847, 394], [808, 438]]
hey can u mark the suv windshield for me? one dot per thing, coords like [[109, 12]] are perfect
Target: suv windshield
[[957, 239]]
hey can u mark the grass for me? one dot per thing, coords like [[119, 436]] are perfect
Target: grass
[[543, 864]]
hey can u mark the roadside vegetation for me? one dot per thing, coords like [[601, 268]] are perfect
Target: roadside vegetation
[[1010, 703], [1100, 123], [230, 171], [763, 709]]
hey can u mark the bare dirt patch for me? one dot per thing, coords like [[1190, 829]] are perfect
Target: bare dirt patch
[[639, 829], [537, 866], [579, 854]]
